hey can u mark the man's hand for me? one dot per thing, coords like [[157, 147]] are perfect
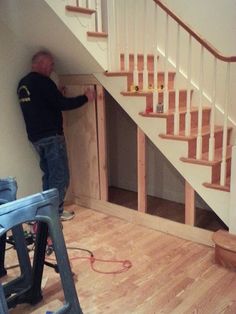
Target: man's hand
[[90, 94], [62, 89]]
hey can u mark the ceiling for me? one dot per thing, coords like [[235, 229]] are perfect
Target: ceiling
[[35, 24]]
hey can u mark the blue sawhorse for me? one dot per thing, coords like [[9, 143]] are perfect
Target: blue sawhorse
[[42, 208]]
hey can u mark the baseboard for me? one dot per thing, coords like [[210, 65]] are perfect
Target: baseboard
[[180, 230]]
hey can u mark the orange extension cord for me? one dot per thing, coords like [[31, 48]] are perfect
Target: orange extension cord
[[126, 264]]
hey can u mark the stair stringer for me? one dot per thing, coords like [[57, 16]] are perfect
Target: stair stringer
[[78, 24], [152, 127]]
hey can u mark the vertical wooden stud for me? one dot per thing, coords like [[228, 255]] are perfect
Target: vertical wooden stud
[[102, 144], [142, 193], [190, 211]]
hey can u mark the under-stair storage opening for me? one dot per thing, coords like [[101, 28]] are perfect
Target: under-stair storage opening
[[121, 155], [165, 187], [167, 193]]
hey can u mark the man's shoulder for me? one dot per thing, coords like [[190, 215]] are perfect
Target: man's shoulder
[[34, 78], [31, 75], [27, 78]]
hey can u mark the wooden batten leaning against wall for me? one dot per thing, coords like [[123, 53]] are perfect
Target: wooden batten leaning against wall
[[85, 131]]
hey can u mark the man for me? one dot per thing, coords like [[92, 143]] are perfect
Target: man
[[42, 105]]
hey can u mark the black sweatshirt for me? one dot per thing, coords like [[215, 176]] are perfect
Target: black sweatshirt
[[42, 105]]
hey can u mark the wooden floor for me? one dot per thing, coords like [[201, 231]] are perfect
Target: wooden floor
[[168, 274], [205, 219]]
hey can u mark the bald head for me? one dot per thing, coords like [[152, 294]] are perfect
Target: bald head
[[42, 62]]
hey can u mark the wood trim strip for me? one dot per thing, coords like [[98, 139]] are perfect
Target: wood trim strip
[[97, 34], [141, 163], [201, 40], [217, 186], [102, 145], [183, 231], [72, 8], [190, 210], [78, 79]]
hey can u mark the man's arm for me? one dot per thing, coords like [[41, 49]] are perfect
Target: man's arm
[[57, 99]]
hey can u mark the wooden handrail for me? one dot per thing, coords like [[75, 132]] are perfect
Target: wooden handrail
[[202, 41]]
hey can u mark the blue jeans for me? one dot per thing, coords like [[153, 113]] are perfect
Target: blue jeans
[[54, 164]]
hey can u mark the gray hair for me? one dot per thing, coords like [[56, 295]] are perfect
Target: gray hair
[[41, 54]]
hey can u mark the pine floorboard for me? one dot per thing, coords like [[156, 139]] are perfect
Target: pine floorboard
[[168, 274]]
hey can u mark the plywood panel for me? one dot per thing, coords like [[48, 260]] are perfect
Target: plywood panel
[[81, 136]]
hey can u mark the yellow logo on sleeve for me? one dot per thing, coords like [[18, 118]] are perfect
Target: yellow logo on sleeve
[[24, 94]]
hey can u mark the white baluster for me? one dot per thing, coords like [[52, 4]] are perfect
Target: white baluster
[[98, 16], [92, 24], [136, 22], [176, 114], [155, 62], [199, 133], [112, 35], [80, 3], [73, 3], [225, 128], [117, 41], [126, 50], [188, 106], [90, 4], [212, 120], [145, 35], [166, 78]]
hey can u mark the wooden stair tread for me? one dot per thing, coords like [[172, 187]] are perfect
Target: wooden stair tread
[[97, 34], [76, 9], [218, 186], [146, 93], [140, 54], [170, 112], [123, 73], [205, 130], [225, 240], [193, 133], [118, 73], [204, 160]]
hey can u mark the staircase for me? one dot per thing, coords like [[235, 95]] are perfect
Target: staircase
[[168, 134], [163, 104]]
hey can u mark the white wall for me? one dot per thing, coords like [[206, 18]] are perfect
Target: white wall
[[17, 157], [214, 20]]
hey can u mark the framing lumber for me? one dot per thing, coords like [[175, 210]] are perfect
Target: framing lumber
[[142, 190], [78, 79], [102, 143], [190, 210]]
